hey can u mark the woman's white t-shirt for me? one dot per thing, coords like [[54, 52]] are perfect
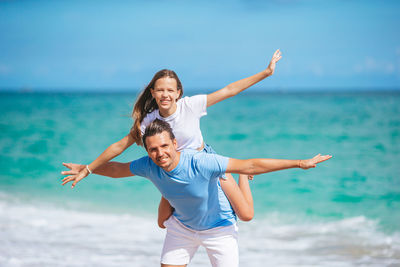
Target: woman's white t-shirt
[[185, 122]]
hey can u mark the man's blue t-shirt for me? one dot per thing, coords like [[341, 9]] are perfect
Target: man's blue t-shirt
[[192, 188]]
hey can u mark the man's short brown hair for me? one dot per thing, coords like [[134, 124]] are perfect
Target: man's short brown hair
[[157, 127]]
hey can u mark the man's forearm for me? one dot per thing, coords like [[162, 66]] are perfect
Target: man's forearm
[[259, 166]]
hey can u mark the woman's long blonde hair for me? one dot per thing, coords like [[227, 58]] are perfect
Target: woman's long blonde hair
[[145, 103]]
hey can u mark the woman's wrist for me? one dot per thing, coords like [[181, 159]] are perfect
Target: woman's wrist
[[268, 72], [89, 171]]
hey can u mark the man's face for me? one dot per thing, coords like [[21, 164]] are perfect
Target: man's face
[[162, 150]]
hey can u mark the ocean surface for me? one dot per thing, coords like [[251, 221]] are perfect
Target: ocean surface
[[345, 212]]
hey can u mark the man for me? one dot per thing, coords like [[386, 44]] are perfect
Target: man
[[189, 180]]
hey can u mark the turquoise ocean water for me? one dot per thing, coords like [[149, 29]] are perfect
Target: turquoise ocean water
[[346, 212]]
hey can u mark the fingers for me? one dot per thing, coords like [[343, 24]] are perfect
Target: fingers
[[277, 55], [68, 165], [74, 183], [69, 172], [319, 158], [67, 179], [73, 175], [316, 156], [70, 179]]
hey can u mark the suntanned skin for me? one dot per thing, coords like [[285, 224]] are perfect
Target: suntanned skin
[[166, 93], [162, 150]]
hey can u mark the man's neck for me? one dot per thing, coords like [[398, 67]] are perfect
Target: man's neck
[[174, 164]]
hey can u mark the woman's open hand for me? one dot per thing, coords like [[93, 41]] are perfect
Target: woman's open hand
[[272, 64]]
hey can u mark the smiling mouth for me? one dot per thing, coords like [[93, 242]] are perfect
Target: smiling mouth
[[162, 160]]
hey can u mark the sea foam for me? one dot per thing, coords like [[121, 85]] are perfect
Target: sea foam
[[45, 235]]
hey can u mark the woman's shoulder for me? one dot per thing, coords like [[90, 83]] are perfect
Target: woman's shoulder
[[197, 104], [193, 100]]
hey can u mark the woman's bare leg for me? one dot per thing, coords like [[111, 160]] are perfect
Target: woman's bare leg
[[239, 196]]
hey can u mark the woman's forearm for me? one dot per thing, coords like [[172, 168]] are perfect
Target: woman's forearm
[[111, 152], [235, 88], [241, 85]]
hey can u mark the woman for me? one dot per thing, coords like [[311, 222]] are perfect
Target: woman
[[162, 99]]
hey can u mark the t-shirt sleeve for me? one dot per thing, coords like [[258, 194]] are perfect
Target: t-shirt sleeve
[[197, 104], [140, 167], [212, 165]]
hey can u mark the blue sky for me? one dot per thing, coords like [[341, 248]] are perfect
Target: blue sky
[[116, 45]]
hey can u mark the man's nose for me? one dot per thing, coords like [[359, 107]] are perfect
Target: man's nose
[[159, 152]]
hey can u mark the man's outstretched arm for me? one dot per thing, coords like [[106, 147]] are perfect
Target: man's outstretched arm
[[110, 169], [259, 166]]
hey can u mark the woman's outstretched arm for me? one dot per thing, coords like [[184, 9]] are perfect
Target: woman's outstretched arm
[[111, 152], [241, 85]]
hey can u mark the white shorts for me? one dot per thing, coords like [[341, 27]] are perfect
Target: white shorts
[[181, 242]]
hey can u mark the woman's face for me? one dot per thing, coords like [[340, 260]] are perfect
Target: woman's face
[[165, 92]]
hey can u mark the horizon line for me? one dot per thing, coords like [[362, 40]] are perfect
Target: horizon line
[[116, 90]]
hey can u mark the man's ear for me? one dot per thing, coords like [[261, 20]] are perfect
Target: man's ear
[[175, 144]]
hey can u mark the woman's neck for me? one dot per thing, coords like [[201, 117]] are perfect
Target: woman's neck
[[167, 112]]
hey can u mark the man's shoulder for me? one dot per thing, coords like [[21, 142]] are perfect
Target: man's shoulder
[[210, 165], [199, 156], [193, 153], [144, 158], [142, 165]]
